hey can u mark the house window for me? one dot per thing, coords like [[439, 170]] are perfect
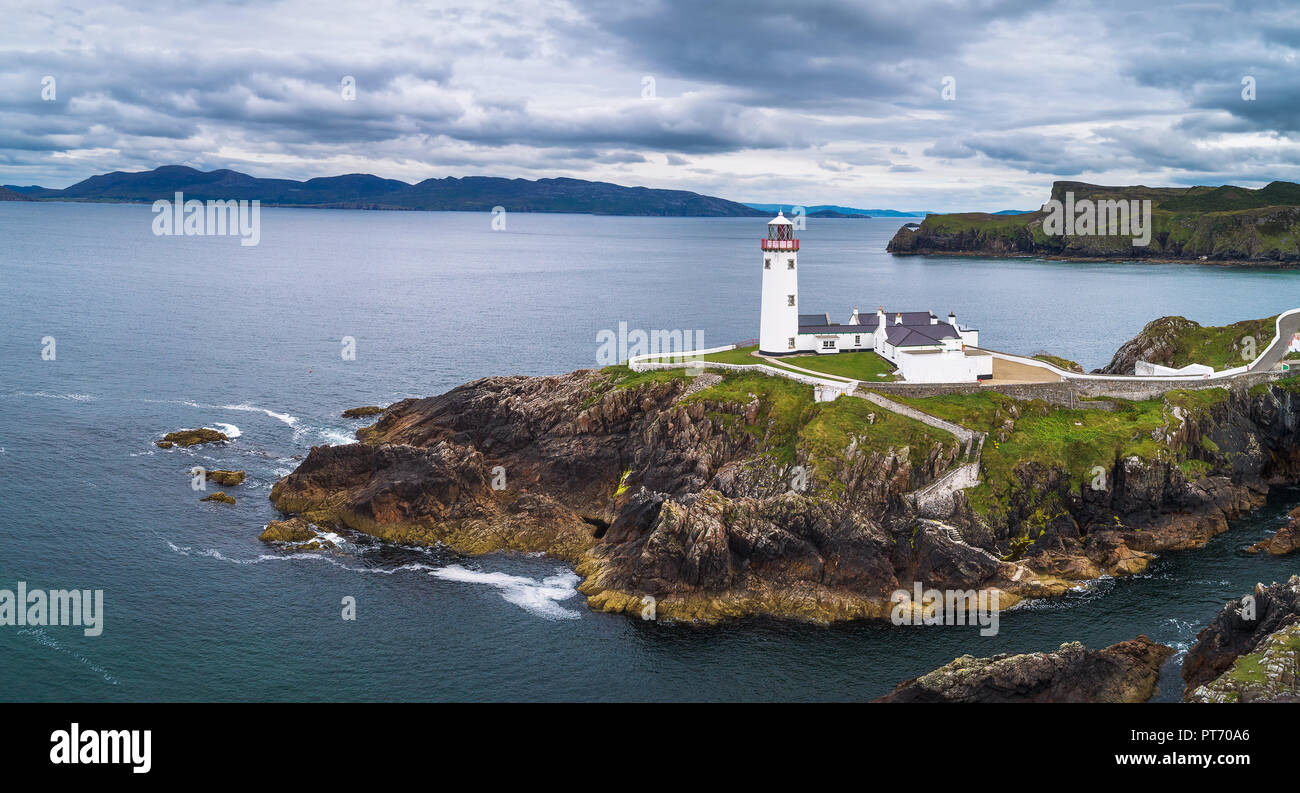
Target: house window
[[828, 344], [857, 341], [789, 300], [789, 264], [789, 345], [767, 263]]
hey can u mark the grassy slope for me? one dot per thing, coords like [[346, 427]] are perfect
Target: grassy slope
[[789, 422], [1074, 440], [1221, 347]]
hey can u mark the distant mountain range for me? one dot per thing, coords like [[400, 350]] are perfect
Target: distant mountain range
[[469, 194], [363, 191]]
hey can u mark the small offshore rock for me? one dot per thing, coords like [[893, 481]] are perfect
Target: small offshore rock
[[226, 478], [296, 531], [219, 496], [192, 437], [367, 410]]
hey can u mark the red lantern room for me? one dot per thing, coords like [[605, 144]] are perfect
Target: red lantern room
[[780, 234]]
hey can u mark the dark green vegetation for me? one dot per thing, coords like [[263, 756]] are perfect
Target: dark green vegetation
[[1230, 224], [1059, 362], [1178, 341], [364, 191], [790, 427], [1034, 432], [1221, 347], [863, 365]]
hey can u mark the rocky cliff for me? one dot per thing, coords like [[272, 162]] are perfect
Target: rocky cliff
[[1250, 652], [736, 498], [721, 496], [1178, 341], [1123, 672], [1080, 510], [1224, 224]]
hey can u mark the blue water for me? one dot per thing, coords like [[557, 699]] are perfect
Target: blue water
[[154, 334]]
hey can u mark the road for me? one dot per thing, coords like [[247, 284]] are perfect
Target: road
[[1289, 326]]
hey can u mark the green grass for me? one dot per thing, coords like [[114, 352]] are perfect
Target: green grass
[[1291, 384], [1219, 223], [789, 422], [863, 365], [867, 368], [1059, 362], [617, 377], [833, 426], [1222, 347], [1231, 198], [784, 406], [1195, 399], [1074, 440], [740, 355]]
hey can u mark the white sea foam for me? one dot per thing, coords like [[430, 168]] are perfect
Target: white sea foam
[[337, 437], [45, 640], [537, 597], [230, 430], [48, 395], [287, 418]]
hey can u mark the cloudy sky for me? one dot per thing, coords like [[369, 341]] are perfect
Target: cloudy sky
[[824, 101]]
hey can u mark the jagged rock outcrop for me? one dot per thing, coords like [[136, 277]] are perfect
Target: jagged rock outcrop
[[1157, 343], [219, 496], [1286, 540], [297, 534], [649, 492], [1250, 651], [1123, 672]]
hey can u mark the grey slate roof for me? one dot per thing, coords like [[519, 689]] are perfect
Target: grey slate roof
[[919, 335]]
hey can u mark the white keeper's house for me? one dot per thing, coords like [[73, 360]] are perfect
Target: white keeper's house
[[923, 348]]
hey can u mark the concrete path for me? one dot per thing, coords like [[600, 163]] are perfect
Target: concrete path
[[1288, 326]]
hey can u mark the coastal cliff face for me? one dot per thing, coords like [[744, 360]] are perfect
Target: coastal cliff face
[[1123, 672], [1226, 224], [1250, 652], [1206, 457], [723, 496], [738, 497]]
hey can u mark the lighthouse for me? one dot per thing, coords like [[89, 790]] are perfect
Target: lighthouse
[[778, 324]]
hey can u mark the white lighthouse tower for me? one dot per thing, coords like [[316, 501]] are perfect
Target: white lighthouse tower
[[778, 324]]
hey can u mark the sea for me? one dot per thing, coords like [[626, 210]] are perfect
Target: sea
[[111, 336]]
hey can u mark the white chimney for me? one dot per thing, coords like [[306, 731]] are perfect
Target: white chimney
[[880, 314], [898, 319], [933, 319], [854, 319], [952, 320]]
